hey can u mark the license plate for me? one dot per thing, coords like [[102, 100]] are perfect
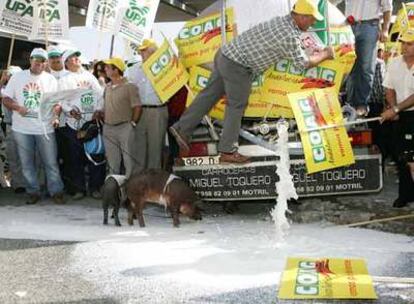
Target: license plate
[[201, 160]]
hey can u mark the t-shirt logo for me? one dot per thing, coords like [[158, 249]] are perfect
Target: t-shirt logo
[[84, 84], [31, 95], [86, 98]]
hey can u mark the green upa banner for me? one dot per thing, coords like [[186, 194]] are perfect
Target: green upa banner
[[102, 14], [52, 21], [16, 16], [135, 19]]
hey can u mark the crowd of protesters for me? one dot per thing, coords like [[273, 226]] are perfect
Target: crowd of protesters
[[118, 101]]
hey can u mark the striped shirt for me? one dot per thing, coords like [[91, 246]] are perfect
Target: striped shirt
[[266, 43]]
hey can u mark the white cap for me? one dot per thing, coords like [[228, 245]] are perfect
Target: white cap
[[39, 52], [66, 54], [13, 69], [54, 51]]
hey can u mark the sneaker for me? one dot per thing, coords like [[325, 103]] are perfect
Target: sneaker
[[78, 196], [33, 199], [58, 198], [182, 140], [96, 195], [233, 158]]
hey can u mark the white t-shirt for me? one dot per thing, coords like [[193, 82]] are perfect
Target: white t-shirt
[[26, 89], [365, 9], [88, 103], [400, 78], [58, 74], [147, 94]]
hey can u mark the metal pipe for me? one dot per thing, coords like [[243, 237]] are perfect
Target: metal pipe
[[223, 23]]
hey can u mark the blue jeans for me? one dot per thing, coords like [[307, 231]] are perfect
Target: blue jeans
[[362, 76], [27, 146]]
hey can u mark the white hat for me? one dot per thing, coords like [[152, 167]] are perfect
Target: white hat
[[13, 69], [38, 52], [54, 51], [70, 52]]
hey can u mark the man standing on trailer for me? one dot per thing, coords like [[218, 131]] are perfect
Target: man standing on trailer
[[235, 66]]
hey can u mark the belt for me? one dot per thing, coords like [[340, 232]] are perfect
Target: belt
[[369, 21], [154, 106], [117, 124]]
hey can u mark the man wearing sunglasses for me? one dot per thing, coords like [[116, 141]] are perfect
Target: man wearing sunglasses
[[23, 95]]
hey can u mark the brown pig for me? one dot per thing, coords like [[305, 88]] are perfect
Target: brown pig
[[159, 186]]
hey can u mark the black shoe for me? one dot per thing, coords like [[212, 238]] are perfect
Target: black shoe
[[19, 190], [399, 203], [33, 199]]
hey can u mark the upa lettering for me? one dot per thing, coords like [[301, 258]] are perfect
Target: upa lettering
[[21, 8], [49, 15], [106, 11], [137, 14]]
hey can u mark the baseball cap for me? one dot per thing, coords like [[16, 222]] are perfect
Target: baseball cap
[[146, 43], [307, 7], [118, 62], [38, 53], [408, 36], [54, 51], [70, 52]]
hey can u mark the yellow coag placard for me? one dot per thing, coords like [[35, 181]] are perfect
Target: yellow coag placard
[[323, 149], [404, 19], [283, 78], [326, 278], [255, 108], [165, 71], [198, 81], [199, 39]]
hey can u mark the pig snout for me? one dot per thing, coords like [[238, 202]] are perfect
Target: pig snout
[[191, 211]]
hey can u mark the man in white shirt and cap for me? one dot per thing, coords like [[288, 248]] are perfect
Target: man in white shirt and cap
[[23, 95], [152, 126], [78, 111]]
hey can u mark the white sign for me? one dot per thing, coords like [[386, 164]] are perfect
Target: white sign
[[102, 14], [16, 16], [136, 19], [53, 20]]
